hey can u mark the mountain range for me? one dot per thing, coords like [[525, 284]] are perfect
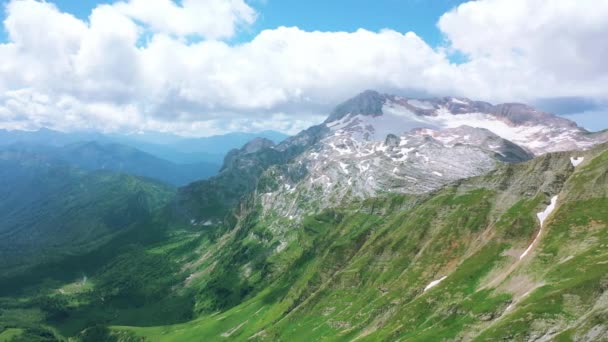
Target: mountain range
[[442, 219], [171, 159], [51, 209], [173, 148]]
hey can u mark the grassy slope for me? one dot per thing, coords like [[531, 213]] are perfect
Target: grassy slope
[[116, 215], [9, 334], [360, 274], [126, 283]]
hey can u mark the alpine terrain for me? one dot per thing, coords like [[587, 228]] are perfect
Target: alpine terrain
[[396, 219]]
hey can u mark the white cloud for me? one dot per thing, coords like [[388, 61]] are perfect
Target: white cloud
[[206, 18], [540, 47], [132, 66]]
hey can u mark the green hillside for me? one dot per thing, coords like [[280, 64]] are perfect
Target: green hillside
[[359, 272], [61, 225]]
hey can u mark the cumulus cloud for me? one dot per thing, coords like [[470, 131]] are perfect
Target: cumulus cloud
[[208, 18], [133, 65], [542, 47]]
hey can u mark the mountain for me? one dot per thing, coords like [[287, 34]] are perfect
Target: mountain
[[125, 159], [536, 131], [93, 155], [377, 143], [182, 150], [213, 199], [50, 209], [176, 149], [395, 219], [516, 254], [391, 171], [381, 143], [46, 137]]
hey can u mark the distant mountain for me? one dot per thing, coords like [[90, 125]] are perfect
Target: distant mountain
[[177, 149], [46, 137], [94, 155], [183, 150], [49, 209]]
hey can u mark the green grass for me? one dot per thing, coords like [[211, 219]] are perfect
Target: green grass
[[8, 334]]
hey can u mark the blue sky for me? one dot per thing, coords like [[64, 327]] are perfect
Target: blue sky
[[419, 16], [207, 67]]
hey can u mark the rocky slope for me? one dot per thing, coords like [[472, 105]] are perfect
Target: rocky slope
[[211, 200]]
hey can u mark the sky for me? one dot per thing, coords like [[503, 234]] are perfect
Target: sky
[[205, 67]]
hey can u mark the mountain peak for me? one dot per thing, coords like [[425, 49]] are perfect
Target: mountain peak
[[369, 102], [257, 144]]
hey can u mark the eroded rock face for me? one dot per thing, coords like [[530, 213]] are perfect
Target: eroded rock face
[[346, 165]]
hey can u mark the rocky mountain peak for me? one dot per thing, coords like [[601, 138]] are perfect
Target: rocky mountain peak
[[369, 102], [371, 116], [522, 114], [256, 145]]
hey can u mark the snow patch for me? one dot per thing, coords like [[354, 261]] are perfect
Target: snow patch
[[455, 100], [426, 158], [434, 283], [340, 124], [344, 167], [363, 167], [396, 119], [568, 258], [281, 247], [577, 161], [420, 104], [542, 216]]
